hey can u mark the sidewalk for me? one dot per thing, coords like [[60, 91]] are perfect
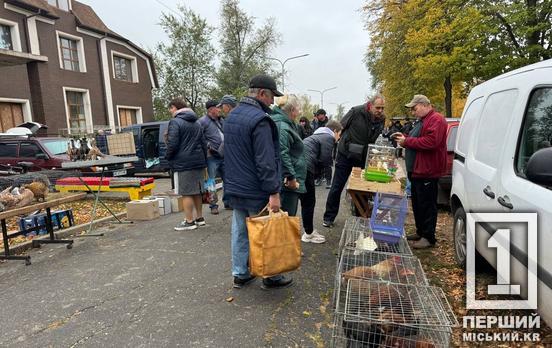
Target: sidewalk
[[148, 285]]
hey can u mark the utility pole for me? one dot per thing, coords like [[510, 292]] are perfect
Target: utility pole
[[322, 94]]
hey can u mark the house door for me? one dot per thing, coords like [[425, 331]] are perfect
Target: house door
[[11, 114], [127, 117]]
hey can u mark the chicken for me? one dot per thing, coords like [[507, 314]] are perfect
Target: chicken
[[361, 334], [9, 200], [25, 198], [389, 269], [94, 152], [39, 189]]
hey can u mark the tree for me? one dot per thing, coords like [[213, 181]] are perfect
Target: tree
[[244, 49], [340, 112], [184, 65], [307, 108]]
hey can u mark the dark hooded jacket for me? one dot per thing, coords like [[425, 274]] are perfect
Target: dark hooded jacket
[[186, 147]]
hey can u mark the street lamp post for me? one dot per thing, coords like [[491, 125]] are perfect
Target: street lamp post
[[283, 64], [322, 94]]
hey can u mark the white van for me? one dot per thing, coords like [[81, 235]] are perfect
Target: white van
[[503, 164]]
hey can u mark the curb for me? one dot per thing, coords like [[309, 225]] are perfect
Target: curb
[[19, 248]]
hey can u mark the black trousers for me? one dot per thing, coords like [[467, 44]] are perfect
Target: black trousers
[[424, 205], [308, 202], [289, 201], [343, 168]]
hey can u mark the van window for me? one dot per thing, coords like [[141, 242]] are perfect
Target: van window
[[536, 132], [495, 119], [469, 121]]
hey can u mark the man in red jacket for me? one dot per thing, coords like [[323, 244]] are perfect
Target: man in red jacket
[[426, 158]]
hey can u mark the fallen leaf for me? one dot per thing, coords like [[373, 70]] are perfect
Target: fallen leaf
[[229, 299]]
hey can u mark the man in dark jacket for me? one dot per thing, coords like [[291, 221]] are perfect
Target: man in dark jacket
[[361, 126], [253, 171], [426, 159], [186, 153], [319, 149], [320, 119], [212, 124]]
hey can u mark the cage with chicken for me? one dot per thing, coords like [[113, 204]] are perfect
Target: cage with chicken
[[383, 314], [357, 234], [401, 269]]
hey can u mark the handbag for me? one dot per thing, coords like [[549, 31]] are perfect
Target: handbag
[[274, 243]]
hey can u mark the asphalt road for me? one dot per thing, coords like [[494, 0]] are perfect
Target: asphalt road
[[148, 285]]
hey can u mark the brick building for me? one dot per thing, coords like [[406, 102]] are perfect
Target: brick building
[[62, 66]]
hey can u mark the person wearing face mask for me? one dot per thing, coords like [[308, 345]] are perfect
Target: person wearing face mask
[[426, 159], [361, 126]]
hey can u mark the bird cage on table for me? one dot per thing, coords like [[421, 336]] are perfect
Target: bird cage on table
[[357, 234], [376, 266], [379, 314]]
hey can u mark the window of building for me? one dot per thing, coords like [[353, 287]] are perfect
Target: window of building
[[127, 117], [61, 4], [69, 54], [537, 127], [11, 115], [5, 37], [122, 68], [77, 114]]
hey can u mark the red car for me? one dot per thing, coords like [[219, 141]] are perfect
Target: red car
[[445, 182]]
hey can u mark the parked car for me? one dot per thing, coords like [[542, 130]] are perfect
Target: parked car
[[38, 153], [445, 182], [503, 164], [149, 139]]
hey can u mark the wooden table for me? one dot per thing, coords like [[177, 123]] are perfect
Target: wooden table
[[52, 201], [362, 191]]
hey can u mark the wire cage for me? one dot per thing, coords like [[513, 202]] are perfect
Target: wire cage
[[356, 227], [386, 267], [379, 314], [388, 215], [361, 334]]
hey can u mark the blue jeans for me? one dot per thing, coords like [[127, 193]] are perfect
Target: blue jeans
[[215, 166], [240, 244]]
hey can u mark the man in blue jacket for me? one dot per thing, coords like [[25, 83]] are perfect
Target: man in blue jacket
[[253, 171], [212, 124]]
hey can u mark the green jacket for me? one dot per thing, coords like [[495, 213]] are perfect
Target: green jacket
[[294, 165]]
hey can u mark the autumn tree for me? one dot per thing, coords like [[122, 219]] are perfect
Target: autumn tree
[[244, 48], [184, 64]]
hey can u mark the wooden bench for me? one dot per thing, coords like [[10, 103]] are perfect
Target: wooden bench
[[137, 188]]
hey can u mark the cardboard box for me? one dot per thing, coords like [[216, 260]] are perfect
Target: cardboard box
[[142, 210], [164, 204], [176, 201]]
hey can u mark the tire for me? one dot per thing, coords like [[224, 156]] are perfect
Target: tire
[[459, 237]]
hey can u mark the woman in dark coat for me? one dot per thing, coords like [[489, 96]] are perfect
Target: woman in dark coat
[[187, 156], [305, 129]]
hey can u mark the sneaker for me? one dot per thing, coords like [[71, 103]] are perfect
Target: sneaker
[[185, 225], [241, 282], [422, 244], [314, 237], [328, 224], [414, 237], [200, 221], [214, 211], [281, 283]]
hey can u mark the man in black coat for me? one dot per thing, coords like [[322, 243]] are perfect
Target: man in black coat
[[361, 126]]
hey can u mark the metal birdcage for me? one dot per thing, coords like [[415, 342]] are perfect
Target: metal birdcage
[[379, 314], [357, 226], [371, 265]]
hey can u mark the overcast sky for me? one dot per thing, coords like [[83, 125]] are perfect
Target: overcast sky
[[330, 31]]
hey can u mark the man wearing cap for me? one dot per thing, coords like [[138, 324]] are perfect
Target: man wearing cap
[[426, 158], [212, 125], [253, 171], [361, 126], [320, 119], [227, 103]]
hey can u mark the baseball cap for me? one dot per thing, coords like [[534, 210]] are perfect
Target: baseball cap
[[265, 82], [228, 100], [210, 104], [320, 112], [418, 99]]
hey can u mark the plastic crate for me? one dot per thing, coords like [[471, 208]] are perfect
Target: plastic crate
[[388, 215], [35, 224]]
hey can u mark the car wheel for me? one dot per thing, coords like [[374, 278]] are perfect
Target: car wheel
[[459, 234]]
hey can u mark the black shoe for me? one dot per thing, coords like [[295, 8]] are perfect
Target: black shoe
[[239, 282], [200, 221], [281, 283], [328, 224], [414, 237]]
